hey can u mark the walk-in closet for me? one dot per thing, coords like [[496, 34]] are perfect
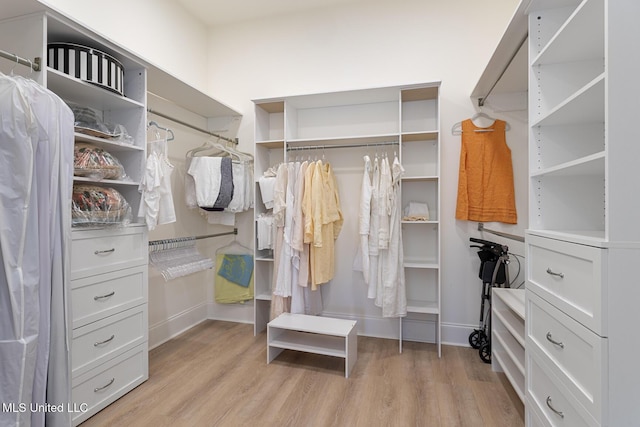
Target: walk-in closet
[[318, 213]]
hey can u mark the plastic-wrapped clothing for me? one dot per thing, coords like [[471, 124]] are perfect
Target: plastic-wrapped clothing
[[35, 226]]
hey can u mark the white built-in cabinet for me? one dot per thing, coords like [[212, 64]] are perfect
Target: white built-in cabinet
[[404, 117], [108, 268], [583, 244]]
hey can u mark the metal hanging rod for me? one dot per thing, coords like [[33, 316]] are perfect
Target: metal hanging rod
[[323, 147], [500, 233], [157, 113], [482, 100], [34, 65], [183, 239]]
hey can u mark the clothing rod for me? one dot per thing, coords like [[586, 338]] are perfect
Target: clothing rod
[[157, 113], [35, 64], [179, 239], [482, 99], [500, 233], [323, 147]]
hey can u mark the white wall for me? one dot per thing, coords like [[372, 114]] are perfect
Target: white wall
[[160, 31], [383, 43]]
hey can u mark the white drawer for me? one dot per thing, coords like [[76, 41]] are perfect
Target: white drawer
[[532, 416], [95, 297], [100, 251], [578, 357], [99, 387], [547, 396], [100, 341], [569, 276]]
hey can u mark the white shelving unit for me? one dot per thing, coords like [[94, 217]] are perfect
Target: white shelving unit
[[584, 236], [406, 115], [508, 335]]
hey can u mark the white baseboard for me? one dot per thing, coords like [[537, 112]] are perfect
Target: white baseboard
[[377, 327], [456, 334], [163, 331], [239, 313]]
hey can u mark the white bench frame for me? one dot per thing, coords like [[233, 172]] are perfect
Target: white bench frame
[[313, 334]]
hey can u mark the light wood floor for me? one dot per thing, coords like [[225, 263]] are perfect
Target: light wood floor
[[216, 374]]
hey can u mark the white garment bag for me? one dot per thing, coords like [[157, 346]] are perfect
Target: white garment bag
[[36, 166]]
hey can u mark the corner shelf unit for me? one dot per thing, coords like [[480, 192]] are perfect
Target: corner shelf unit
[[406, 115]]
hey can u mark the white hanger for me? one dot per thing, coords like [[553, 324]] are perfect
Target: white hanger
[[222, 150], [167, 130], [234, 248], [456, 129]]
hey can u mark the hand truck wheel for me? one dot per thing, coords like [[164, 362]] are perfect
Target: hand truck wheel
[[477, 338], [485, 352]]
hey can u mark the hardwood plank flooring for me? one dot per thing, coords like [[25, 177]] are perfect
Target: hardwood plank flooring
[[216, 374]]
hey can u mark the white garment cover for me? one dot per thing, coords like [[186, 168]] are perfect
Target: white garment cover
[[36, 166]]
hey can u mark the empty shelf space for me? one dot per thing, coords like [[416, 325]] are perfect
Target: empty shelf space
[[310, 343]]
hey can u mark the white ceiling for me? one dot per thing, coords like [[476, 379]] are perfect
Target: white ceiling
[[218, 12]]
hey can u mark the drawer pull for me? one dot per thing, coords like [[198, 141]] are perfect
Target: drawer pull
[[106, 251], [96, 344], [552, 341], [97, 389], [99, 297], [553, 273], [550, 405]]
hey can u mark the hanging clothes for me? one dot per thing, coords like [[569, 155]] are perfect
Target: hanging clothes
[[364, 218], [219, 184], [384, 191], [279, 303], [485, 181], [157, 206], [35, 228], [393, 299], [234, 274], [374, 227], [381, 236], [326, 223], [208, 179]]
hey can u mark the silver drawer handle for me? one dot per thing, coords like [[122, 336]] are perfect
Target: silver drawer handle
[[110, 294], [106, 251], [552, 341], [550, 405], [97, 389], [96, 344], [553, 273]]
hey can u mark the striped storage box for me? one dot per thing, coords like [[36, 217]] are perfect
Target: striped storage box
[[88, 64]]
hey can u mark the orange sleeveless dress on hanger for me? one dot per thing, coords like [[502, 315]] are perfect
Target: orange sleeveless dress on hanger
[[485, 182]]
